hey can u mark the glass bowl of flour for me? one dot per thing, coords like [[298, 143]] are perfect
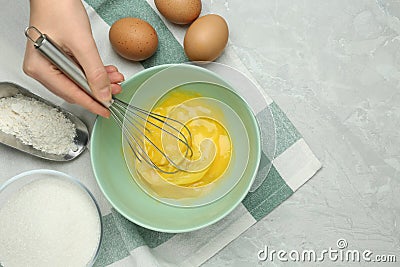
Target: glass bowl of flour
[[48, 218]]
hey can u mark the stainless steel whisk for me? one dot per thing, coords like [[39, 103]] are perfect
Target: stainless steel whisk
[[135, 118]]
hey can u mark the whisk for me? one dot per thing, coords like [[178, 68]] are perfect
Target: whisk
[[132, 120]]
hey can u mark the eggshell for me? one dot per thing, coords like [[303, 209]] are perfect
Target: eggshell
[[133, 38], [179, 11], [206, 38]]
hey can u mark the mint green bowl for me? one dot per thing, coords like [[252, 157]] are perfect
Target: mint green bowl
[[128, 198]]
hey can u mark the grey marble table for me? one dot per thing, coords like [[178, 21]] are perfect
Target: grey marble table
[[334, 68]]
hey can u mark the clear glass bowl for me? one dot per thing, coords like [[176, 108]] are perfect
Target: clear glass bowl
[[14, 185]]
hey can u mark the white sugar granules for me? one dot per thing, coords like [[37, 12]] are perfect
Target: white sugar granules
[[49, 222], [37, 124]]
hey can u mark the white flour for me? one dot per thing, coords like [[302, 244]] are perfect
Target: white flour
[[37, 124]]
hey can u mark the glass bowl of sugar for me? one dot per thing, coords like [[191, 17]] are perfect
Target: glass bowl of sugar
[[48, 218]]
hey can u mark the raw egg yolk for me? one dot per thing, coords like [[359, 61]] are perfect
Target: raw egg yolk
[[209, 140]]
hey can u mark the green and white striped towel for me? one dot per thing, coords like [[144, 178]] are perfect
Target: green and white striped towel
[[126, 244]]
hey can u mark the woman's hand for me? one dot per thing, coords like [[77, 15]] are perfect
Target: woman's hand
[[68, 25]]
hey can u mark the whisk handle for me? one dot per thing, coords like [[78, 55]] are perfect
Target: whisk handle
[[48, 48]]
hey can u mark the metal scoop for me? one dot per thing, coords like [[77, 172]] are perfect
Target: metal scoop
[[8, 89]]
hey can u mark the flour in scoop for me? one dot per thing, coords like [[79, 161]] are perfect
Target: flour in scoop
[[37, 124], [49, 222]]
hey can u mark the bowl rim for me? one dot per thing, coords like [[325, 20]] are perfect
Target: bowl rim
[[257, 136], [166, 229], [75, 181]]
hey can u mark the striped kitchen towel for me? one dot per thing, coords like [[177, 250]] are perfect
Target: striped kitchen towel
[[127, 244]]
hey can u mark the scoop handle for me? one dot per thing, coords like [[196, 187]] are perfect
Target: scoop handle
[[48, 48]]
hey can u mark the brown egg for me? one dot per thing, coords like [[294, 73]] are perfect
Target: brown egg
[[206, 38], [133, 38], [179, 11]]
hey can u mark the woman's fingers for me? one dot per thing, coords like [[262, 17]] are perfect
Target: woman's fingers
[[115, 78], [39, 68], [88, 57]]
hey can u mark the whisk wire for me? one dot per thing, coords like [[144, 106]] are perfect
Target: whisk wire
[[163, 120], [129, 117], [122, 127], [140, 154], [130, 109]]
